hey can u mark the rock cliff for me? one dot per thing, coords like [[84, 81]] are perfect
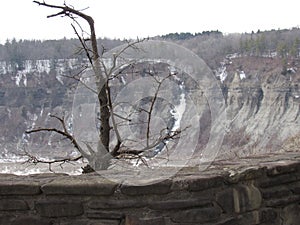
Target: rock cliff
[[262, 102], [263, 107], [29, 95]]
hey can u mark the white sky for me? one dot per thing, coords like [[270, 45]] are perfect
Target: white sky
[[23, 19]]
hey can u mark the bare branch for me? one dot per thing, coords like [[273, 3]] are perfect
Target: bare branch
[[118, 54], [164, 138], [114, 124], [63, 132], [121, 117], [86, 50], [70, 12], [35, 160], [78, 79], [152, 106]]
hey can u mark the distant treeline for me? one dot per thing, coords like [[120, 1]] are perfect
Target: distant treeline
[[21, 50], [212, 46], [188, 35]]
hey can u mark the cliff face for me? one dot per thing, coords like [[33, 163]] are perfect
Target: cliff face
[[29, 94], [262, 104], [262, 101]]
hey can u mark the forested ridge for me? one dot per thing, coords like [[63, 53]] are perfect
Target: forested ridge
[[20, 50], [212, 46]]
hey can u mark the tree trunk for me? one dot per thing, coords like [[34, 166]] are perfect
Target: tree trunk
[[104, 117], [101, 82]]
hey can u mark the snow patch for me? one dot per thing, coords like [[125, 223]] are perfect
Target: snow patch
[[273, 54], [27, 66], [123, 80], [43, 66], [292, 70], [177, 114], [42, 111], [3, 67], [222, 73], [60, 71], [173, 71], [38, 66], [33, 118], [18, 78], [72, 63], [179, 110], [242, 75], [59, 78], [21, 75], [25, 138], [25, 80], [232, 56], [9, 113]]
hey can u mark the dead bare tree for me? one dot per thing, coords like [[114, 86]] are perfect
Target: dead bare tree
[[109, 119]]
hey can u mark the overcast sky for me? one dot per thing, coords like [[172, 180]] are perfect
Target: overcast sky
[[23, 19]]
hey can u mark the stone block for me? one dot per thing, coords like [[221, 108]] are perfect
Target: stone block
[[268, 215], [116, 204], [6, 219], [160, 188], [13, 205], [253, 173], [277, 222], [247, 198], [104, 222], [179, 204], [198, 184], [59, 208], [278, 180], [131, 220], [275, 192], [243, 219], [77, 186], [242, 198], [295, 188], [240, 220], [19, 188], [283, 169], [226, 199], [196, 215], [249, 218], [91, 222], [105, 214], [248, 174], [229, 221], [282, 201], [291, 215], [27, 220]]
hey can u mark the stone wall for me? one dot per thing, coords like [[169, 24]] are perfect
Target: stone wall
[[252, 191]]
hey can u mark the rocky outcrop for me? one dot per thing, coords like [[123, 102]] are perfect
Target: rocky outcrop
[[28, 95], [263, 105]]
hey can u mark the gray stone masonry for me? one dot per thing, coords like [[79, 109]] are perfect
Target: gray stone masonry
[[255, 190]]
